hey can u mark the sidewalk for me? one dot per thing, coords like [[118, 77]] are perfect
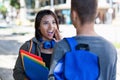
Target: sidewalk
[[116, 21]]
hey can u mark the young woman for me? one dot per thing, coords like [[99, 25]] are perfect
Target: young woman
[[46, 34]]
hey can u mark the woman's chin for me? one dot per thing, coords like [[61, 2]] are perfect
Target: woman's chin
[[50, 38]]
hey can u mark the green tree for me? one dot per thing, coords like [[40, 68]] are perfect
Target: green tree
[[3, 10], [15, 3]]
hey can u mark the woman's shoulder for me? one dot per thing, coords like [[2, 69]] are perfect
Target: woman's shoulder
[[25, 45]]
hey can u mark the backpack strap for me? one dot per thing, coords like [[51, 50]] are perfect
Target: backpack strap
[[72, 43], [31, 44], [33, 48]]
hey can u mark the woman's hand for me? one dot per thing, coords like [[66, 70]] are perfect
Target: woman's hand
[[58, 37]]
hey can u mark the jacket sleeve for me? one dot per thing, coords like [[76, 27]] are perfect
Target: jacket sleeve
[[114, 69], [57, 55], [18, 71]]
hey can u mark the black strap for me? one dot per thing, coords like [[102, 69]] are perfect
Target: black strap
[[82, 47]]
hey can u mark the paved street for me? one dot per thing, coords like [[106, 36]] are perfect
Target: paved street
[[12, 38]]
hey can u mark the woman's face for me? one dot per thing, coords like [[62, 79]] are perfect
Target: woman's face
[[48, 27]]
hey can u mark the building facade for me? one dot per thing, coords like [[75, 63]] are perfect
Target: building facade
[[62, 9]]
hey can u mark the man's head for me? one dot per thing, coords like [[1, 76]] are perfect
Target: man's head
[[85, 10]]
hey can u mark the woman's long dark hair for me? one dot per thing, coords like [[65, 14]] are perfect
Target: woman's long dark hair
[[38, 19]]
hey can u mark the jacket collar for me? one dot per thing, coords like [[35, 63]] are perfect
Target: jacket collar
[[35, 40]]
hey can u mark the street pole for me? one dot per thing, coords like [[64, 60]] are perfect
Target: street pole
[[110, 10], [37, 4], [52, 5], [111, 3], [22, 12]]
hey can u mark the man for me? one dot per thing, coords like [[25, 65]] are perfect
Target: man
[[83, 13]]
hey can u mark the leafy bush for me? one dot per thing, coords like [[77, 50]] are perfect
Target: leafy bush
[[3, 10], [15, 3]]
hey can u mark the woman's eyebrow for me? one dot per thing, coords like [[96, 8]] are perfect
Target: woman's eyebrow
[[45, 21]]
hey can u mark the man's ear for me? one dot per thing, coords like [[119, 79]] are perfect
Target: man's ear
[[73, 15]]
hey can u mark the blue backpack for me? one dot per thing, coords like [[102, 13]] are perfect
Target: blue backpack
[[77, 64]]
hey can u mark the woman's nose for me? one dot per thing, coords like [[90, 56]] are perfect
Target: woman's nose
[[51, 25]]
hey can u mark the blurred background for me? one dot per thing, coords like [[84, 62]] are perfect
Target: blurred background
[[17, 26]]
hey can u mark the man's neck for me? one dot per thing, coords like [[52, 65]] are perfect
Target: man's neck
[[86, 30]]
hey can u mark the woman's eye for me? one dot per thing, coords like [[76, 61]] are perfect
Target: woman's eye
[[45, 23], [54, 22]]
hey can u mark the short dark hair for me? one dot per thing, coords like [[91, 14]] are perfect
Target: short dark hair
[[86, 9], [38, 19]]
